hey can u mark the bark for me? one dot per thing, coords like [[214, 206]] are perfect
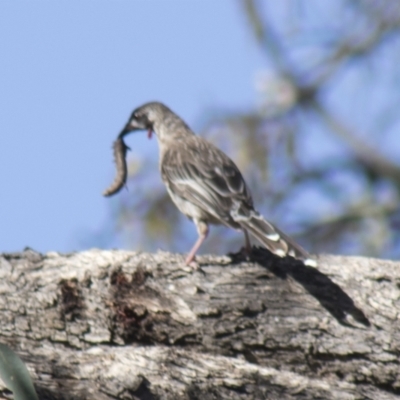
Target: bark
[[130, 325]]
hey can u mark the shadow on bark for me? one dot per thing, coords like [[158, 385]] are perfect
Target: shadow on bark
[[329, 294]]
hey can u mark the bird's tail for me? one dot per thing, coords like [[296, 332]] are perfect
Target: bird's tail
[[270, 236]]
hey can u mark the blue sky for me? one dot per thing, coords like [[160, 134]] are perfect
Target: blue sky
[[70, 74]]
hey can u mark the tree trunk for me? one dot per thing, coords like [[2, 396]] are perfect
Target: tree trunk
[[129, 325]]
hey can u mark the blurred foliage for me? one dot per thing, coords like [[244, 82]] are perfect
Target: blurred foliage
[[319, 150], [15, 375]]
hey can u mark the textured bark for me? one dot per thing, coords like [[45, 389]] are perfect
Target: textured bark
[[128, 325]]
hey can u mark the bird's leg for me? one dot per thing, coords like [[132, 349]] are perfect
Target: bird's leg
[[246, 250], [247, 242], [202, 230]]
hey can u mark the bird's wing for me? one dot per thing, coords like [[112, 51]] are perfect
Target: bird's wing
[[200, 173]]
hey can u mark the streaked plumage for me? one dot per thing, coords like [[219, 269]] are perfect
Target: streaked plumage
[[205, 184]]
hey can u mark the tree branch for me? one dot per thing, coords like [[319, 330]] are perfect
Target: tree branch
[[118, 325]]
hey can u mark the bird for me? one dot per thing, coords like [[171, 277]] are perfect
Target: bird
[[203, 182]]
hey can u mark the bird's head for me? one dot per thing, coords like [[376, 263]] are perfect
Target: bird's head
[[146, 117]]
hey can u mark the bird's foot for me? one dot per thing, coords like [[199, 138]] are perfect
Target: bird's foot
[[193, 264], [248, 251], [245, 253]]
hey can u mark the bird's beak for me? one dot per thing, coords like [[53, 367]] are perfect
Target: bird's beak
[[132, 125]]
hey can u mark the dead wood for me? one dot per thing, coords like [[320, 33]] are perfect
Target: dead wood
[[129, 325]]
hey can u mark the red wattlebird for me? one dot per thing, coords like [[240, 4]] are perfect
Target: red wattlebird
[[203, 182]]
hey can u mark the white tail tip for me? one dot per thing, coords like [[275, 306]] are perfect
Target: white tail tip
[[310, 262]]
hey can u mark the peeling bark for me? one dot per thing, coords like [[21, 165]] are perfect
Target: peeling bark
[[129, 325]]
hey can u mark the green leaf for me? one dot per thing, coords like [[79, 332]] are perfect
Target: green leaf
[[15, 375]]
